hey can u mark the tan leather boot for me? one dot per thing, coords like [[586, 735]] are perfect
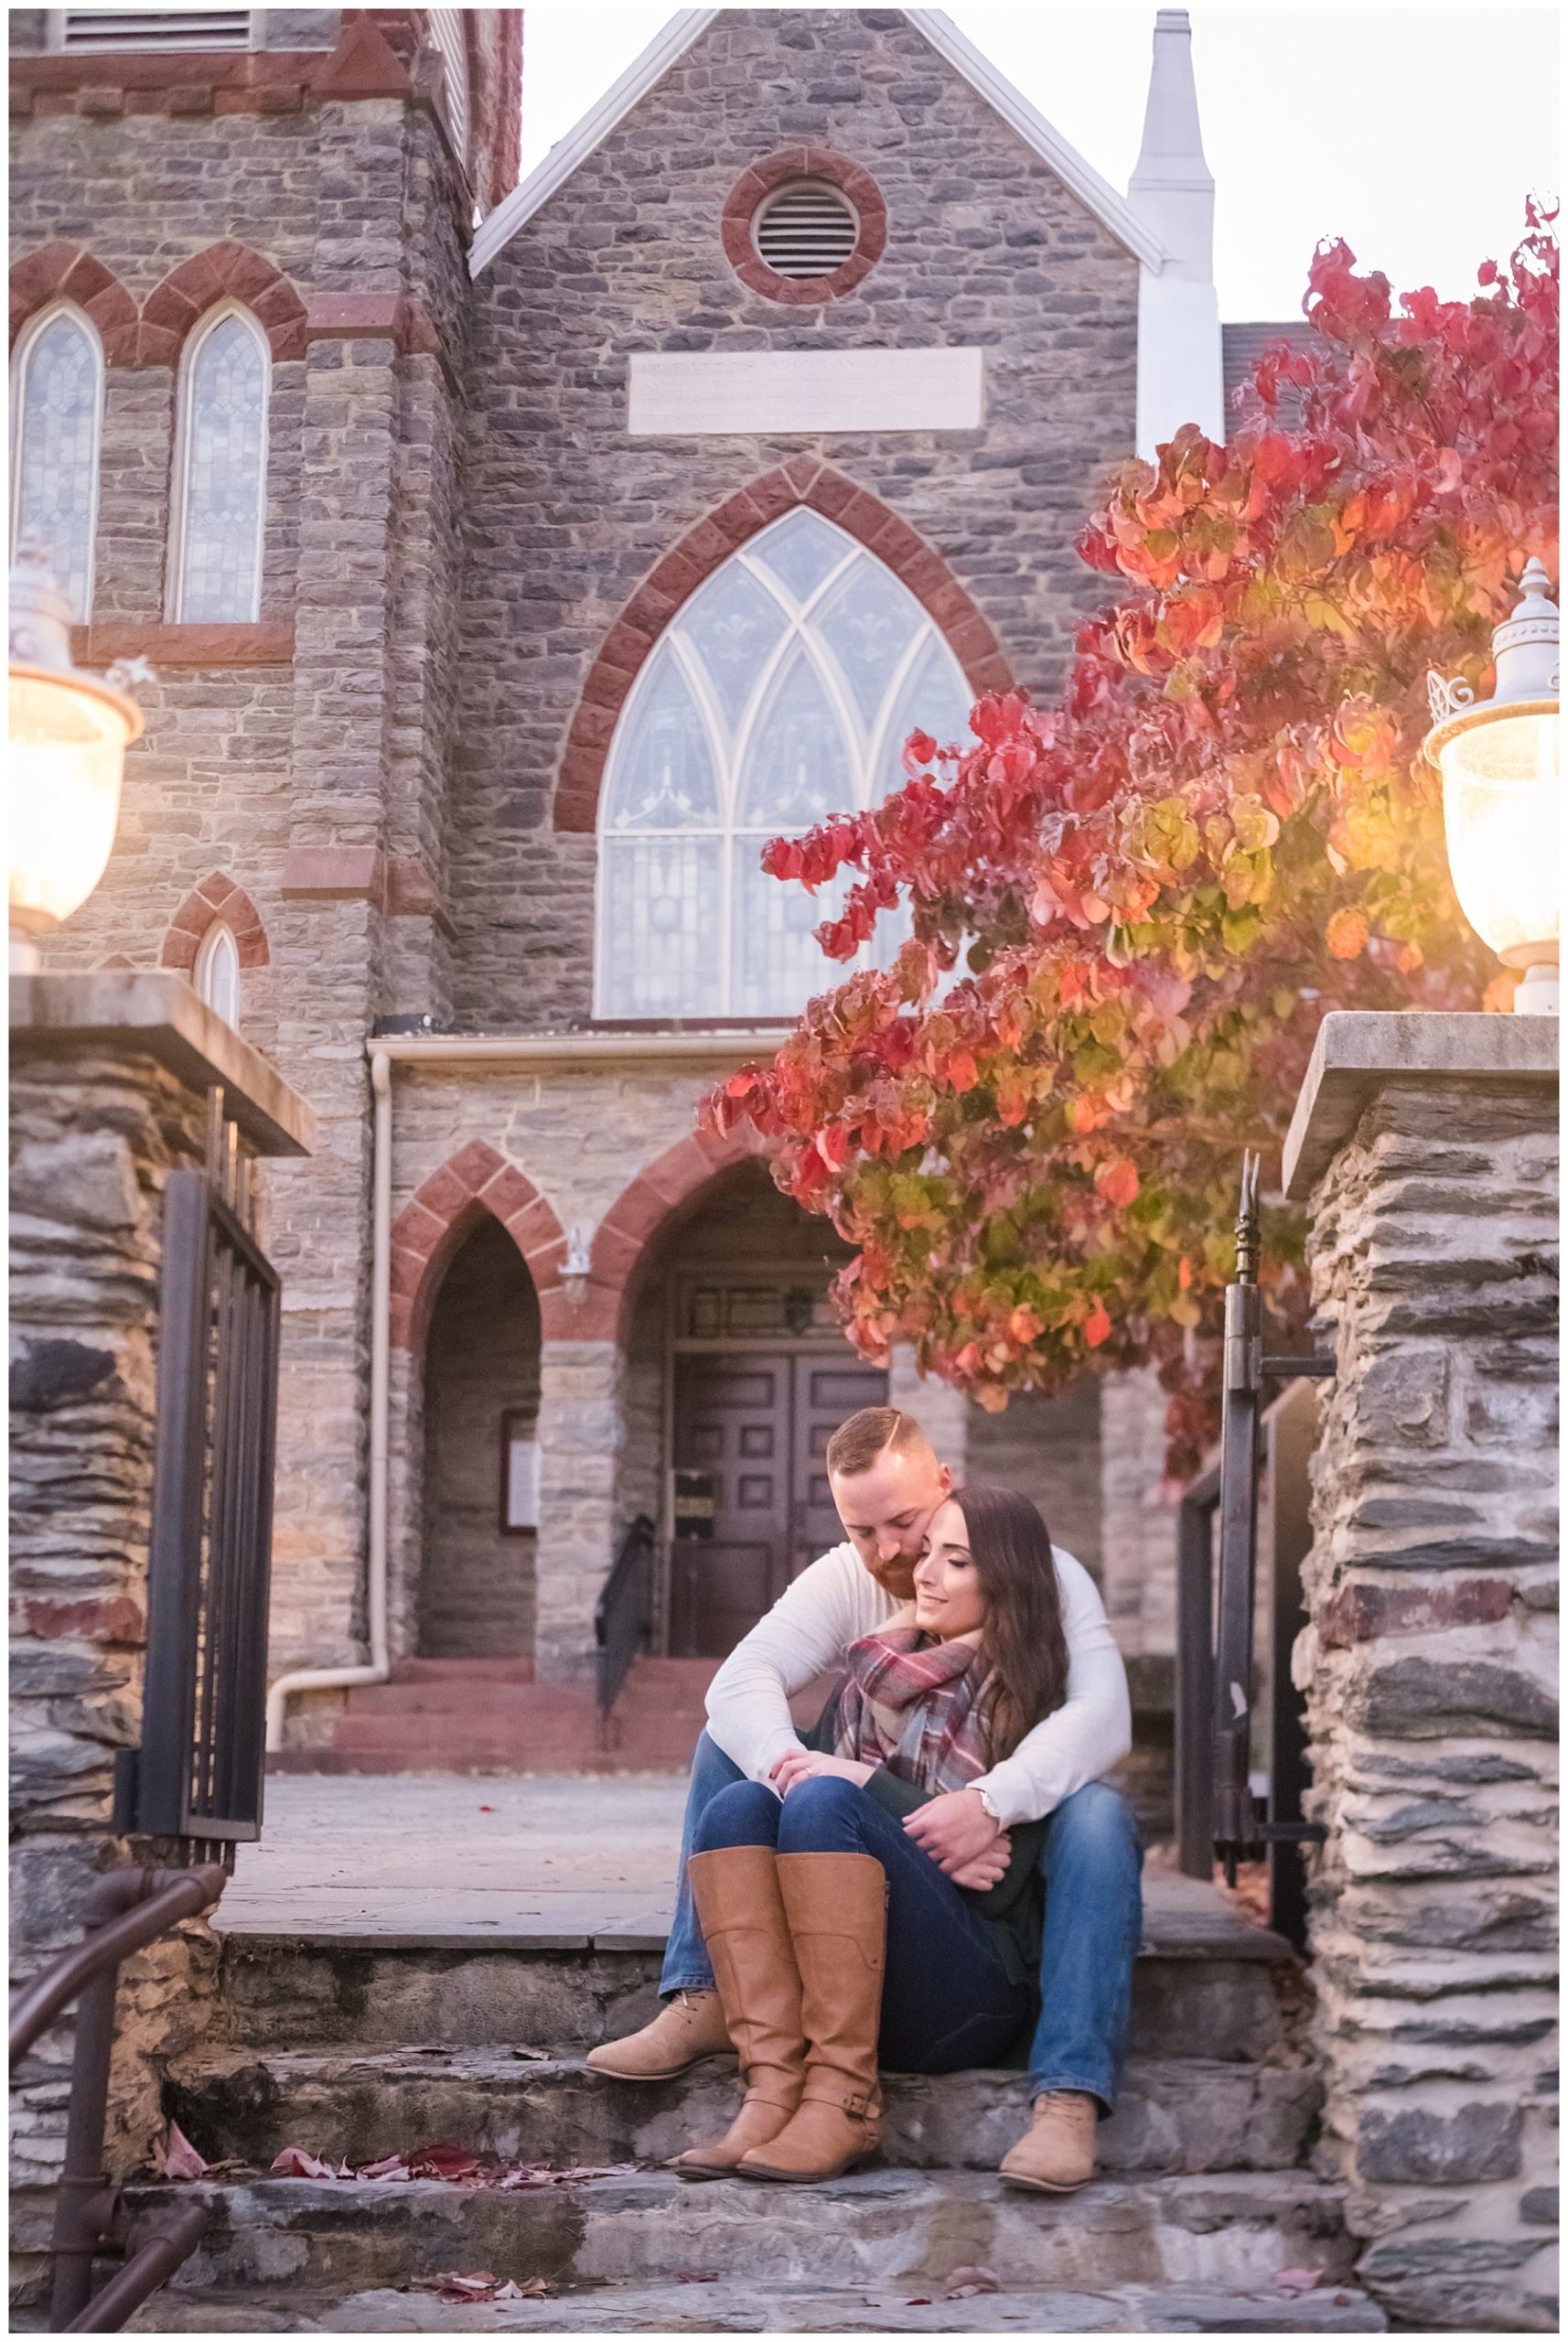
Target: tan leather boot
[[837, 1909], [689, 2028], [1055, 2154], [735, 1890]]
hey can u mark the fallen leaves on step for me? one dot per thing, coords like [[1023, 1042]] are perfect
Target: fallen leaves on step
[[538, 2174], [180, 2158], [457, 2167], [1297, 2281], [443, 2161], [298, 2163], [696, 2276], [538, 2057], [970, 2280], [451, 2285]]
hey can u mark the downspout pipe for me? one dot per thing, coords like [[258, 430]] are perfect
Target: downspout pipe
[[337, 1679]]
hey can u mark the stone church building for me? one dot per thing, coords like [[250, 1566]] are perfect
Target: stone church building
[[512, 561]]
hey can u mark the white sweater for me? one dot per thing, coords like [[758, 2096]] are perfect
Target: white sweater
[[836, 1600]]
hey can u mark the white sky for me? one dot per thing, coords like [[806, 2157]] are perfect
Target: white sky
[[1415, 132]]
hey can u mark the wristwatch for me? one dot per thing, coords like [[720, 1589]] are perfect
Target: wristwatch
[[983, 1794]]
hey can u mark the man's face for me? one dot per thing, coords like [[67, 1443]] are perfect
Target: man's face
[[886, 1511]]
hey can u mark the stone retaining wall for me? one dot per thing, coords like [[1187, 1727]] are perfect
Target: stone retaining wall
[[1430, 1667]]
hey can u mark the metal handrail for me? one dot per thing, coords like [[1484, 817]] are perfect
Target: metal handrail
[[125, 1910], [623, 1615]]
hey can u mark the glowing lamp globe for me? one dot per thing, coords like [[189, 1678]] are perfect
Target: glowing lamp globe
[[1499, 759], [69, 733]]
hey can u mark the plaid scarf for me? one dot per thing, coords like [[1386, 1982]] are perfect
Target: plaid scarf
[[909, 1703]]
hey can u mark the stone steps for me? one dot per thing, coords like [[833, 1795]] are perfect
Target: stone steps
[[874, 2229], [1235, 1998], [1175, 2114], [734, 2307]]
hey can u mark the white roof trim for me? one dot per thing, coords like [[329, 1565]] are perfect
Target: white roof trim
[[672, 43], [667, 46], [1112, 209]]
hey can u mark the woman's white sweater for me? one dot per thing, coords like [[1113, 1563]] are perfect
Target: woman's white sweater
[[836, 1600]]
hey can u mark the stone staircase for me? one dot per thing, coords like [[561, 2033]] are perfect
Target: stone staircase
[[359, 2042]]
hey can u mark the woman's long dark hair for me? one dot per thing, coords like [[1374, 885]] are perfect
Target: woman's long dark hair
[[1023, 1636]]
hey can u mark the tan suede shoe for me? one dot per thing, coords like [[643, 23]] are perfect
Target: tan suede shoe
[[689, 2028], [1055, 2154]]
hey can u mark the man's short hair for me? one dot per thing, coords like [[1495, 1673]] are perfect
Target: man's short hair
[[857, 1444]]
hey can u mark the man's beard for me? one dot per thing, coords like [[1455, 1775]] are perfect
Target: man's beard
[[896, 1577]]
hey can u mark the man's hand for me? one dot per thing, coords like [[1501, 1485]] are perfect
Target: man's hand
[[956, 1831], [800, 1765]]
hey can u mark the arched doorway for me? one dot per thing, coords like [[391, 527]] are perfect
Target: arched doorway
[[737, 1374], [481, 1409]]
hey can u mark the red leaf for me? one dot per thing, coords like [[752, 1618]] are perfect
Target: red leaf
[[180, 2158], [296, 2162], [443, 2161], [1097, 1326], [1118, 1183]]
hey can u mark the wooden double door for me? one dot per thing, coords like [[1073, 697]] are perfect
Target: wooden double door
[[751, 1504]]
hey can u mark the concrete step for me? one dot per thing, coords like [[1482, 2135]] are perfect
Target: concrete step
[[1177, 2114], [882, 2228], [711, 2306], [412, 1752], [1237, 1999]]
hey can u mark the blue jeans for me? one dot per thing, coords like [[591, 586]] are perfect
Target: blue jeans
[[947, 2000]]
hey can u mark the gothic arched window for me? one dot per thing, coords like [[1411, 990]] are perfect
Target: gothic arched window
[[220, 471], [216, 974], [781, 693], [57, 409]]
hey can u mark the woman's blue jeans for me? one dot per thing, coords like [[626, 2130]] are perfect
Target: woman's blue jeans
[[947, 1998]]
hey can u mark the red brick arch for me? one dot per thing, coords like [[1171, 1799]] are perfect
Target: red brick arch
[[805, 479], [429, 1229], [666, 1189], [217, 898], [223, 272], [65, 271]]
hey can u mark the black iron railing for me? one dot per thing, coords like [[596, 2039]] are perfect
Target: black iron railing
[[198, 1774], [1223, 1735], [623, 1615], [126, 1910]]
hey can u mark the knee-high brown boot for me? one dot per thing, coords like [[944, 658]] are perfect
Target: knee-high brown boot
[[837, 1909], [735, 1889]]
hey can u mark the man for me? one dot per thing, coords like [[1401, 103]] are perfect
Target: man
[[886, 1484]]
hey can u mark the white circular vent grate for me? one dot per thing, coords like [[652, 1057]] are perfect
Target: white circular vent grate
[[807, 230]]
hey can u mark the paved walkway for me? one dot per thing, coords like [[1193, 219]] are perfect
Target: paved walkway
[[538, 1860]]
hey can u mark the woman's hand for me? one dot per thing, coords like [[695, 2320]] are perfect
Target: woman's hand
[[806, 1764]]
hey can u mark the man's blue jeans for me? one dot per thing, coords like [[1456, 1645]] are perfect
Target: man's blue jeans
[[947, 1999]]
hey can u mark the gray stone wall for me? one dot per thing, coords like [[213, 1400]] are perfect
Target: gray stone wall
[[1048, 1449], [92, 1140], [1430, 1669], [566, 515]]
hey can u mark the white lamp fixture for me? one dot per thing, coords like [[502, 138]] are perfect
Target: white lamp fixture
[[1498, 759], [68, 732]]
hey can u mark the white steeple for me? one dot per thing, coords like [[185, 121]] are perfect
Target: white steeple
[[1180, 376]]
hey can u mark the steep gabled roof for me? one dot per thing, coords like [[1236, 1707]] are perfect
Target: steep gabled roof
[[675, 39]]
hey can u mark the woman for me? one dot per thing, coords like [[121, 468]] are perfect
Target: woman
[[833, 1936]]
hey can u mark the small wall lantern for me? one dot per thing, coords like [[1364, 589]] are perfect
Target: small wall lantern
[[577, 1267], [1498, 759], [69, 733]]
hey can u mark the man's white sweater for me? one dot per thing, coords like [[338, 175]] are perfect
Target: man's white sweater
[[836, 1600]]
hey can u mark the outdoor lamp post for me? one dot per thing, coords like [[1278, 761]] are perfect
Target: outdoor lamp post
[[70, 732], [1498, 759]]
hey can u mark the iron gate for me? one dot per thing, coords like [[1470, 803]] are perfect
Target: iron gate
[[1225, 1737], [198, 1774]]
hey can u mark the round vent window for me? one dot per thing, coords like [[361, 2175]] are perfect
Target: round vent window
[[808, 230]]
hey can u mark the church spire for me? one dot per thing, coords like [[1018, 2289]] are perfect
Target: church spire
[[1172, 186]]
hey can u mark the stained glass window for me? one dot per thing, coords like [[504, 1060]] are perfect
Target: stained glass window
[[783, 692], [217, 971], [223, 461], [57, 407]]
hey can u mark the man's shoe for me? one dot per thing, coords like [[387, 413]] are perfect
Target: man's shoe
[[1055, 2154], [689, 2028]]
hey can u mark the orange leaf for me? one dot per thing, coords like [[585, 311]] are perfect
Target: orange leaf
[[1118, 1182], [1097, 1326], [1346, 934]]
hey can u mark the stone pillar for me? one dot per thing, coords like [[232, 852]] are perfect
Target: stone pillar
[[941, 1411], [109, 1081], [1427, 1146], [580, 1431], [1138, 1529]]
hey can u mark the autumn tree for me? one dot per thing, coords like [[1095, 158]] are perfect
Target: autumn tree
[[1130, 909]]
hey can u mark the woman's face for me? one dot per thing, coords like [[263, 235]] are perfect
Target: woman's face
[[948, 1599]]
